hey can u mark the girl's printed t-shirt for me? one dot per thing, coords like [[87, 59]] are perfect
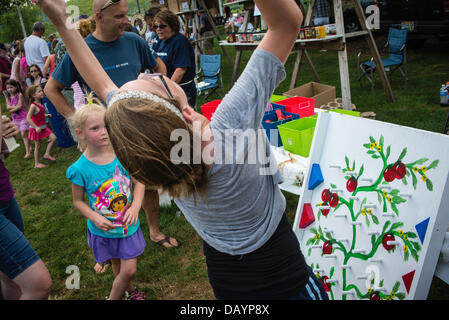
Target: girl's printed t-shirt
[[109, 190]]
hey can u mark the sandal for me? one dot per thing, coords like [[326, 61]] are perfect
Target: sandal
[[135, 295], [103, 266], [167, 240], [49, 159]]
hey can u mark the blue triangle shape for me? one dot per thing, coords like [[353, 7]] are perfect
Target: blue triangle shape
[[316, 177], [421, 228]]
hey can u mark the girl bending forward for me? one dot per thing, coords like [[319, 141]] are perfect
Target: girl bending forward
[[235, 205]]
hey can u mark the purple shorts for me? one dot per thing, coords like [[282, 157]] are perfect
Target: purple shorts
[[118, 248]]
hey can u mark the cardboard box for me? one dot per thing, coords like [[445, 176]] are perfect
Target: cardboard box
[[322, 93]]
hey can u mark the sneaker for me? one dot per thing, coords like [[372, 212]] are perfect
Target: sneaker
[[135, 295]]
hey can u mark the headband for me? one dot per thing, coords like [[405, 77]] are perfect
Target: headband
[[147, 96]]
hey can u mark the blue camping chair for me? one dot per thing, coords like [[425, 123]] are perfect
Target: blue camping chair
[[396, 61], [209, 77]]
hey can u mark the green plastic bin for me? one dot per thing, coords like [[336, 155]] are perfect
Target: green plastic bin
[[297, 135], [347, 112], [275, 98]]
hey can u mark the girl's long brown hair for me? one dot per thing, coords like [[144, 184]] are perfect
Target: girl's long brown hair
[[140, 131]]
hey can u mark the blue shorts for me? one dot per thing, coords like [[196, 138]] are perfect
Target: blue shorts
[[16, 253]]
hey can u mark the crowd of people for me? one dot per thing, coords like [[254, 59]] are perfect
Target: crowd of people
[[133, 91]]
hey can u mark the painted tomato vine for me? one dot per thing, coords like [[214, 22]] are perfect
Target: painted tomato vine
[[392, 238]]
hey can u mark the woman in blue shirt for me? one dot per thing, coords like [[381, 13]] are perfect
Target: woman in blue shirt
[[177, 53]]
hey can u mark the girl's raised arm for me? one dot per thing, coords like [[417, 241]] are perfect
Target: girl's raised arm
[[85, 61], [283, 18]]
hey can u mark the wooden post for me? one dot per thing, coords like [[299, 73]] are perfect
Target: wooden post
[[238, 53], [343, 58], [301, 52], [373, 48], [214, 28]]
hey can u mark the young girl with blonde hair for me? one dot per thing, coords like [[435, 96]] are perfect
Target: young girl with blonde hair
[[236, 207], [114, 202]]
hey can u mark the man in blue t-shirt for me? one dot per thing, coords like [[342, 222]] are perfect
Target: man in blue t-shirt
[[123, 55]]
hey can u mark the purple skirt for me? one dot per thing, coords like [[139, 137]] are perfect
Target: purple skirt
[[116, 248]]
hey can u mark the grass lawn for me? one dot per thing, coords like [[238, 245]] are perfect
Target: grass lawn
[[58, 232]]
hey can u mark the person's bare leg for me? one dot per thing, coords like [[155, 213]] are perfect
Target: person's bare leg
[[34, 283], [51, 141], [150, 205], [10, 290], [122, 282]]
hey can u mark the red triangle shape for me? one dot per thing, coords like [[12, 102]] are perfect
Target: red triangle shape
[[307, 216], [408, 279]]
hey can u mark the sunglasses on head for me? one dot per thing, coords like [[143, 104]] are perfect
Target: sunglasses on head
[[109, 3], [161, 77], [159, 26]]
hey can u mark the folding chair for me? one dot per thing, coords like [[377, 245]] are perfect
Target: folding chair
[[209, 76], [396, 61]]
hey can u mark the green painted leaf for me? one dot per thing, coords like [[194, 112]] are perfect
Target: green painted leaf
[[309, 252], [434, 164], [371, 152], [414, 180], [381, 141], [373, 239], [375, 156], [400, 295], [314, 231], [366, 145], [398, 200], [429, 185], [395, 209], [394, 192], [388, 152], [333, 186], [331, 272], [406, 255], [367, 220], [396, 225], [404, 181], [386, 226], [310, 241], [402, 155], [347, 161], [371, 139], [411, 235], [375, 220], [362, 168], [414, 255], [396, 286], [420, 161]]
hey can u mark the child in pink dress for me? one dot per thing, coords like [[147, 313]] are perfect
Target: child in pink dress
[[15, 104], [39, 130]]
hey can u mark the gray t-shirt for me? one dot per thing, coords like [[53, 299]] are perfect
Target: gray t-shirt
[[244, 204]]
